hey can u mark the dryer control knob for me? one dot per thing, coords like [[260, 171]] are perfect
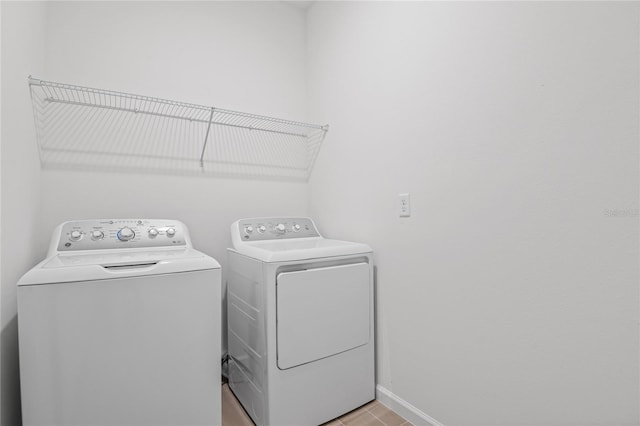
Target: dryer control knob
[[262, 229], [153, 232], [171, 232], [280, 228], [248, 229], [97, 235], [126, 234], [75, 235], [295, 227]]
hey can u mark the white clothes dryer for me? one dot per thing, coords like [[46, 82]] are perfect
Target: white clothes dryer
[[120, 325], [300, 322]]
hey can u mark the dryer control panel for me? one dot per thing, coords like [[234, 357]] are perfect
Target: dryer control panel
[[276, 228], [103, 234]]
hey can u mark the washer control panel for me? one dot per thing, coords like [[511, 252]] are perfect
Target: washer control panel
[[276, 228], [121, 233]]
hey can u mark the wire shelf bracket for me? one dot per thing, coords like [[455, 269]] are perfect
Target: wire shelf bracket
[[95, 129], [206, 138]]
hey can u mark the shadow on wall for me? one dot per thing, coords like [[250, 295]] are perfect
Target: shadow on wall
[[10, 373]]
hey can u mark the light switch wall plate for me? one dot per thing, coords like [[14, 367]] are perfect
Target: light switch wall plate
[[404, 205]]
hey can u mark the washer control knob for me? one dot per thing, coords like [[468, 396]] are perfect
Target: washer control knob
[[171, 232], [97, 235], [280, 228], [295, 227], [248, 229], [126, 234], [262, 229], [153, 232], [75, 235]]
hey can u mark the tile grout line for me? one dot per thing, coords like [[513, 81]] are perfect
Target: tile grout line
[[380, 420], [406, 422]]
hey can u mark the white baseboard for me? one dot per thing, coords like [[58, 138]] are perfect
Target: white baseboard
[[403, 408]]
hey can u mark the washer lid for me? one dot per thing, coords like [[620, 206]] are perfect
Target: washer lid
[[299, 249], [110, 264]]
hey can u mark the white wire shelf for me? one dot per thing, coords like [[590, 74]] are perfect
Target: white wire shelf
[[93, 129]]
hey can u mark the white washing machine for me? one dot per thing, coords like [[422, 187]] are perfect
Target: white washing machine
[[300, 322], [120, 325]]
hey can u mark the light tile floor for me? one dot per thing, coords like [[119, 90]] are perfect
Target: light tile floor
[[371, 414], [232, 412]]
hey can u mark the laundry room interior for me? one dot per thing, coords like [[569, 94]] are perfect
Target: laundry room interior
[[487, 153]]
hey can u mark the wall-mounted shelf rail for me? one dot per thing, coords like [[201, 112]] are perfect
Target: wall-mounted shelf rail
[[86, 128]]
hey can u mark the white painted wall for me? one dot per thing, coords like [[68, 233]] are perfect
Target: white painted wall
[[22, 54], [510, 296], [247, 56]]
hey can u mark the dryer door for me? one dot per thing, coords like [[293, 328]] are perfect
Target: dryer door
[[322, 312]]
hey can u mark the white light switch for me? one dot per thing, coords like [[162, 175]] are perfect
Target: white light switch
[[404, 205]]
